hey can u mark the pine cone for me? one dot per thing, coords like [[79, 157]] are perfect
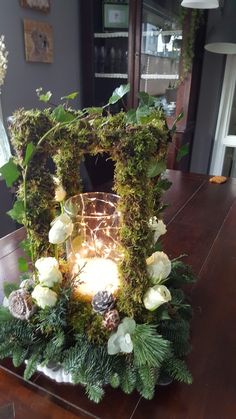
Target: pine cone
[[21, 304], [103, 301], [111, 320]]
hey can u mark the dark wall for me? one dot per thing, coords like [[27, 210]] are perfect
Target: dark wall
[[209, 97]]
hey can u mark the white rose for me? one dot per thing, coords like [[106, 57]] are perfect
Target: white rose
[[60, 193], [158, 227], [61, 229], [158, 266], [156, 296], [49, 273], [44, 297]]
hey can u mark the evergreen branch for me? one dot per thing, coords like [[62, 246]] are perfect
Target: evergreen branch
[[149, 347], [178, 370]]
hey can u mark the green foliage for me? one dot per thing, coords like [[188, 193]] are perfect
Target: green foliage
[[149, 348], [178, 370], [32, 364], [182, 152], [61, 115], [19, 354], [10, 172], [28, 154], [22, 264], [118, 93], [43, 97], [71, 96], [155, 168], [94, 392], [17, 212], [8, 287]]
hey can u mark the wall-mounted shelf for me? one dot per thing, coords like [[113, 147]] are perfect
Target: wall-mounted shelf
[[159, 76], [111, 75], [111, 35]]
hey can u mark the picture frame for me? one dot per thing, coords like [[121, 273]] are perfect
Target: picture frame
[[39, 5], [38, 38], [115, 16]]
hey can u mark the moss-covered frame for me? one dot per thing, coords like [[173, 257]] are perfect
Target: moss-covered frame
[[135, 148]]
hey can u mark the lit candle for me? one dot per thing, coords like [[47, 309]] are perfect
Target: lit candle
[[96, 274]]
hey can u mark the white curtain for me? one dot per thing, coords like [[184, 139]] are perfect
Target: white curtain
[[5, 151]]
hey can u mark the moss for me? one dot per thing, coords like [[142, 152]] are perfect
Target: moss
[[132, 148]]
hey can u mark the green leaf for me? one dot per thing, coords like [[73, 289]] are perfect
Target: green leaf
[[26, 246], [94, 110], [29, 151], [118, 93], [130, 117], [60, 115], [22, 264], [10, 172], [43, 97], [146, 99], [8, 287], [183, 151], [5, 314], [177, 119], [141, 113], [17, 212], [71, 96], [155, 168]]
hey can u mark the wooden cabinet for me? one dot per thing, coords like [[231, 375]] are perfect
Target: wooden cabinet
[[146, 53]]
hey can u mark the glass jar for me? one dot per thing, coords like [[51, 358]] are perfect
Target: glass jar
[[93, 249]]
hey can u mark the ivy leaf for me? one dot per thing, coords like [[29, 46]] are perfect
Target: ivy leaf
[[146, 99], [22, 264], [17, 212], [4, 314], [60, 115], [94, 111], [155, 168], [118, 93], [130, 117], [71, 96], [183, 151], [28, 153], [10, 172], [43, 97], [164, 184], [8, 287]]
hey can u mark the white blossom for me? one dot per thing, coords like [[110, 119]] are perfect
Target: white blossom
[[48, 269], [158, 266], [156, 296], [121, 340], [158, 228], [44, 297], [61, 229]]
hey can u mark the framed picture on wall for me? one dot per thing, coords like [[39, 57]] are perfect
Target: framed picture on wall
[[40, 5], [115, 16], [38, 41]]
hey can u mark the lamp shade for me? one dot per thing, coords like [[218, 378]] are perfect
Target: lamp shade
[[221, 34], [200, 4]]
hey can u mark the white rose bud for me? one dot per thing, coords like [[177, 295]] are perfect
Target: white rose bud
[[61, 229], [49, 273], [156, 296], [158, 266], [44, 297], [158, 227], [60, 193]]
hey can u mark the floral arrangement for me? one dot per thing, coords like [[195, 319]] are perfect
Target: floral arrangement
[[131, 338]]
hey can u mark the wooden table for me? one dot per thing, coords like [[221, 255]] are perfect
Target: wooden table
[[202, 223]]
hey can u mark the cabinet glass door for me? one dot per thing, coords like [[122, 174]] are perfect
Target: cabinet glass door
[[160, 51], [111, 21]]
